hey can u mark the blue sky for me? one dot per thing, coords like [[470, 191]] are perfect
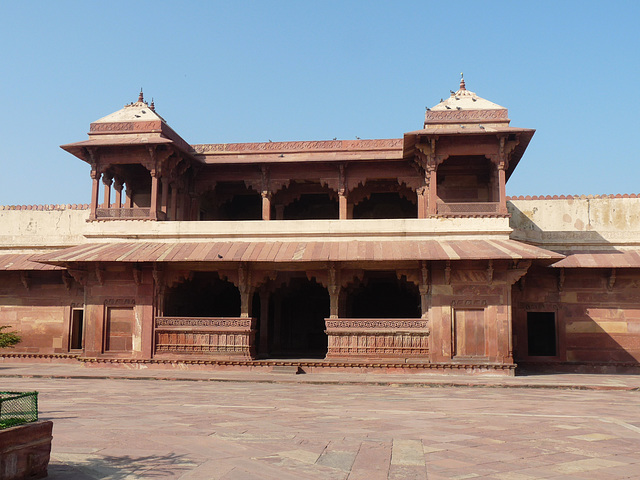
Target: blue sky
[[242, 71]]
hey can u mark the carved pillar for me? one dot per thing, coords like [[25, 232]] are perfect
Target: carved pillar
[[279, 211], [266, 205], [502, 188], [502, 163], [424, 290], [263, 344], [342, 206], [343, 210], [277, 319], [246, 292], [128, 203], [153, 211], [433, 192], [179, 213], [174, 203], [165, 196], [266, 194], [117, 185], [107, 180], [421, 193], [95, 187], [334, 292]]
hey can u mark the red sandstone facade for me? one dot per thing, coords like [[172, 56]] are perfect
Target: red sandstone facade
[[393, 254]]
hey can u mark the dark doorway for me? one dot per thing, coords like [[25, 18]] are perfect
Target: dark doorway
[[541, 334], [296, 320], [76, 342], [383, 295], [204, 295]]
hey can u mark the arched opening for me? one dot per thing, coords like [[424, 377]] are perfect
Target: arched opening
[[231, 201], [296, 319], [384, 199], [382, 295], [305, 201], [205, 294]]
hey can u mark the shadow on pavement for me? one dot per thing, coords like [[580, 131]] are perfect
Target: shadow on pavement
[[91, 467]]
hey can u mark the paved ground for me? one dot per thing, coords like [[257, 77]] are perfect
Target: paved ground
[[225, 425]]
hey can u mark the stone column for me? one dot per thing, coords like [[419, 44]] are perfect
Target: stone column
[[95, 187], [433, 192], [334, 292], [117, 185], [128, 203], [279, 212], [165, 196], [266, 205], [263, 344], [153, 211], [422, 201], [277, 319], [343, 206], [502, 188], [107, 180], [174, 202], [424, 290]]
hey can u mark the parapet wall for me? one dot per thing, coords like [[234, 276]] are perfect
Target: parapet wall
[[571, 223], [28, 228]]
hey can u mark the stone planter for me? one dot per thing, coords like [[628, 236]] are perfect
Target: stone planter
[[25, 450]]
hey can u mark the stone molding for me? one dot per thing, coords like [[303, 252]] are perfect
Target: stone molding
[[392, 143]]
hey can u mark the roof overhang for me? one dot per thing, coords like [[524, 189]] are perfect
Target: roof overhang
[[628, 259], [411, 139], [299, 252], [22, 262]]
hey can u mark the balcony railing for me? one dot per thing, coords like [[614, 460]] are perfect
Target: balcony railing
[[468, 208], [220, 337], [377, 337]]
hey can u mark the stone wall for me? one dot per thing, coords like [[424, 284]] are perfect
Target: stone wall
[[597, 317], [39, 311]]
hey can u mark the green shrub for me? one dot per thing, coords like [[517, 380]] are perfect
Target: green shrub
[[8, 339]]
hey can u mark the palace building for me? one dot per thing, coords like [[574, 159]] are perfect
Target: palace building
[[400, 254]]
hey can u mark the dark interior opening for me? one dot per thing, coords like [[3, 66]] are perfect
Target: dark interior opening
[[77, 329], [231, 201], [383, 295], [465, 179], [385, 205], [204, 295], [296, 320], [541, 334], [311, 206]]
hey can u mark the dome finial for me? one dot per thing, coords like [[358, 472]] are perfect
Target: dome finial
[[152, 107], [462, 84], [141, 97]]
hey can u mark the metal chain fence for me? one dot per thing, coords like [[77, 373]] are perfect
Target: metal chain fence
[[17, 408]]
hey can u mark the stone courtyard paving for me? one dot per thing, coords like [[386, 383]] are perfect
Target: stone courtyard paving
[[159, 429]]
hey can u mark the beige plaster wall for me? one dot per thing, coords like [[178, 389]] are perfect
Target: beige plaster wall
[[585, 222], [29, 230]]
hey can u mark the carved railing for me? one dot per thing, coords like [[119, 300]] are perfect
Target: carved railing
[[377, 337], [468, 208], [222, 337]]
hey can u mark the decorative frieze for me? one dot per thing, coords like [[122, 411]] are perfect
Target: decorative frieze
[[299, 146]]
